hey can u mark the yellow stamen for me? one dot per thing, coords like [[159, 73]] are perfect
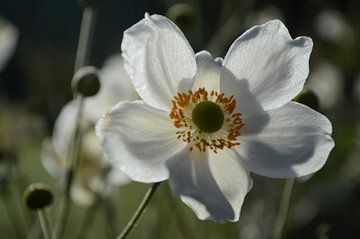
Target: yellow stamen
[[183, 105]]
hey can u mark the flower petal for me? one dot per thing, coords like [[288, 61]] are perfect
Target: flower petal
[[159, 60], [212, 185], [50, 159], [270, 62], [208, 72], [115, 87], [138, 139], [291, 141], [63, 129]]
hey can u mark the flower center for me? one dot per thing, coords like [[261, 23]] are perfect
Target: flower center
[[208, 116], [206, 121]]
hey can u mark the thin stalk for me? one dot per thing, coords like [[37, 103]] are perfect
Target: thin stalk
[[34, 231], [111, 219], [72, 162], [15, 176], [82, 58], [16, 233], [131, 224], [86, 37], [43, 223], [283, 209], [89, 219]]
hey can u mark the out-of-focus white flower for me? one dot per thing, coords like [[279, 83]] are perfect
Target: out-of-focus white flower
[[204, 124], [8, 40], [115, 87], [332, 26], [326, 80], [94, 175]]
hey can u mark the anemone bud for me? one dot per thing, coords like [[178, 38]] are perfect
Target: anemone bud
[[86, 81], [38, 196]]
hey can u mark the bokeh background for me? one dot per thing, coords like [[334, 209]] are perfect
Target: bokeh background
[[35, 85]]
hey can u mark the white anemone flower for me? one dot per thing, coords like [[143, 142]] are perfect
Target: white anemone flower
[[94, 176], [206, 123]]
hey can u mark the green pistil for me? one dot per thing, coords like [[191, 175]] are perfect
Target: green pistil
[[208, 116]]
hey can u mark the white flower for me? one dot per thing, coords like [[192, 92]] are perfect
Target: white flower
[[326, 80], [115, 87], [8, 39], [204, 123], [94, 175], [332, 25]]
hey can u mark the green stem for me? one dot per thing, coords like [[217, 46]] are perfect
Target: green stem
[[283, 209], [130, 225], [111, 219], [15, 179], [82, 57], [43, 223], [89, 219], [86, 37], [16, 233]]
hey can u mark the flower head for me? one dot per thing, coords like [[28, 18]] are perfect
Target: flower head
[[205, 123], [94, 175]]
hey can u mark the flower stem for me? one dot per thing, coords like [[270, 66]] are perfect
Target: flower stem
[[43, 223], [283, 209], [130, 225], [86, 37], [7, 216], [82, 57], [89, 219]]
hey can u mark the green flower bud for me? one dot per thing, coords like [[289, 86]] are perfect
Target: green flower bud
[[309, 98], [38, 196], [86, 81]]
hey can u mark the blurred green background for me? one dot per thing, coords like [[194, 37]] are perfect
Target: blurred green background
[[35, 84]]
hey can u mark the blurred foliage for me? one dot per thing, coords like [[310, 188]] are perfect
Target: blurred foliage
[[35, 84]]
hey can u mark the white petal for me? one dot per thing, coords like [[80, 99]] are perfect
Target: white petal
[[138, 139], [159, 60], [8, 39], [291, 141], [63, 129], [117, 177], [208, 72], [213, 185], [82, 195], [267, 65], [115, 87], [50, 159]]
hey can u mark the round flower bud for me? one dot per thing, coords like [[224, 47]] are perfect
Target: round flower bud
[[308, 98], [183, 15], [86, 81], [38, 196]]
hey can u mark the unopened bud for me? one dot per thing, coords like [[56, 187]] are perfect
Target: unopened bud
[[38, 196], [309, 98], [86, 81]]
